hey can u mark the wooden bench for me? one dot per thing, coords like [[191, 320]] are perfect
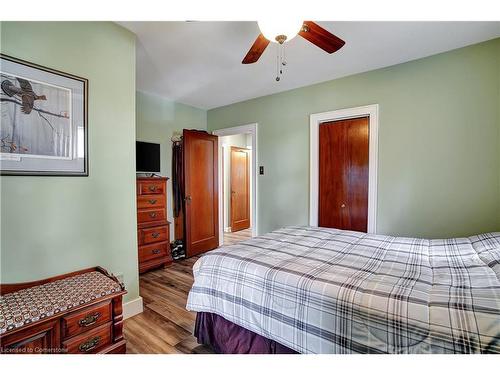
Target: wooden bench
[[78, 312]]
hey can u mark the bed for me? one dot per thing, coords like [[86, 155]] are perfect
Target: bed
[[319, 290]]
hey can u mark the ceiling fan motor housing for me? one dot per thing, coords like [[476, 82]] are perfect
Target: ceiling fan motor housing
[[281, 39]]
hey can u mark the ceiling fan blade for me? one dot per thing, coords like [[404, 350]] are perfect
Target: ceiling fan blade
[[321, 37], [256, 50]]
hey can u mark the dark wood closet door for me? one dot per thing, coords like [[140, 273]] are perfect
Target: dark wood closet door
[[343, 174], [240, 189], [201, 191]]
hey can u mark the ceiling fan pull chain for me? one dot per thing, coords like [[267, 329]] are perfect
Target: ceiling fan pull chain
[[281, 59], [278, 63]]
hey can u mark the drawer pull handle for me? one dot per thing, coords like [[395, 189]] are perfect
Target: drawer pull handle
[[152, 187], [89, 320], [155, 234], [87, 346], [156, 251], [152, 201], [152, 215]]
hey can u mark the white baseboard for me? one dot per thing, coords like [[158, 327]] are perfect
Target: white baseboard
[[132, 308]]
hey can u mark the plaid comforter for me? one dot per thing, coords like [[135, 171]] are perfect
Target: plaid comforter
[[319, 290]]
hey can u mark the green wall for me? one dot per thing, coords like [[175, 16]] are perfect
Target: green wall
[[439, 141], [498, 107], [156, 121], [53, 225]]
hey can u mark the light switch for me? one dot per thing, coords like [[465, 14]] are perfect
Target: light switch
[[261, 169]]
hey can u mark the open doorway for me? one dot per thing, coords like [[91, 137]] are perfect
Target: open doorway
[[236, 187], [237, 192]]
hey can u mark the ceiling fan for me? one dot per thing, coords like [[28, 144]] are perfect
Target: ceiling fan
[[282, 32]]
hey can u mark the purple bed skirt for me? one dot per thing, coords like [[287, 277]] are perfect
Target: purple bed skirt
[[229, 338]]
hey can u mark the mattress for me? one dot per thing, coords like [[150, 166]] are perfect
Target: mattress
[[321, 290]]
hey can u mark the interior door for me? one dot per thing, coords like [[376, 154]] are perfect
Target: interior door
[[343, 174], [201, 191], [240, 189]]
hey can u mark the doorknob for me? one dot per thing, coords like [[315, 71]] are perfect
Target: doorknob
[[188, 198], [343, 205], [233, 192]]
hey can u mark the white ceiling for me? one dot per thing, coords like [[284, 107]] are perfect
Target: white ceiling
[[199, 63]]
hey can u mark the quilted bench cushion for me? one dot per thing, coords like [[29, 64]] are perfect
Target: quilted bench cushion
[[33, 304]]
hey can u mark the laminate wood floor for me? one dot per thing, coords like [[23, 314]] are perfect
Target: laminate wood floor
[[231, 238], [165, 326]]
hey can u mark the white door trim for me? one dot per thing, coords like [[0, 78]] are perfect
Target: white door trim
[[315, 120], [252, 129]]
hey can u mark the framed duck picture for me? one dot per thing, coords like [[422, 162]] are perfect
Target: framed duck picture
[[43, 123]]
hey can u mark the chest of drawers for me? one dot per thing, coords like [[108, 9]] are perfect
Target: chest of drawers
[[76, 313], [153, 229]]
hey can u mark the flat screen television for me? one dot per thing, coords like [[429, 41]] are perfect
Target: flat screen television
[[147, 157]]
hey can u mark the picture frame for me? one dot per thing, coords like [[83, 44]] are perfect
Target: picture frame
[[43, 120]]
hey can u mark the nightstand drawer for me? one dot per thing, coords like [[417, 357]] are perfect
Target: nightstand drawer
[[86, 319], [152, 235], [89, 342], [145, 216], [158, 250], [150, 187], [150, 201]]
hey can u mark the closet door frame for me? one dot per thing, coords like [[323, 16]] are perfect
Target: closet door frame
[[316, 120]]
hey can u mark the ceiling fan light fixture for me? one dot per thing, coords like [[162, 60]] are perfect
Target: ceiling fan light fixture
[[280, 31]]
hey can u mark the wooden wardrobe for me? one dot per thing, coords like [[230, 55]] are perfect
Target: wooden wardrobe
[[198, 222]]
